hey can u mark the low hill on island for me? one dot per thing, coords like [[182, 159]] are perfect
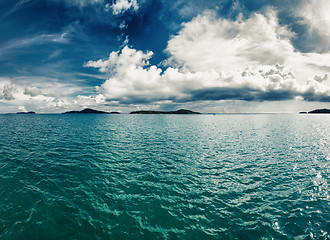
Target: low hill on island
[[181, 111], [89, 110], [320, 111], [26, 112]]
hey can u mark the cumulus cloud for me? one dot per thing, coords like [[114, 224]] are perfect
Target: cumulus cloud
[[321, 79], [315, 15], [210, 60], [117, 61], [32, 91], [135, 81], [131, 80], [271, 83], [8, 91], [218, 59], [53, 97], [121, 6], [209, 42]]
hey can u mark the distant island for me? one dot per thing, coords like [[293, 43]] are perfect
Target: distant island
[[26, 112], [317, 111], [324, 110], [89, 110], [180, 111]]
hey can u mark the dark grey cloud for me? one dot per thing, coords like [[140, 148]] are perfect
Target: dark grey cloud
[[138, 99], [227, 93], [311, 96], [251, 94], [244, 93]]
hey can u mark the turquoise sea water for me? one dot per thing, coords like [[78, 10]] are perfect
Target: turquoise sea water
[[164, 176]]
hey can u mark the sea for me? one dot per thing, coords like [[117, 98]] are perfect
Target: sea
[[229, 176]]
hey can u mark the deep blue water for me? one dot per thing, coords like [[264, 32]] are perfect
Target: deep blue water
[[164, 176]]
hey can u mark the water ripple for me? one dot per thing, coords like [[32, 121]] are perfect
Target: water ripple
[[164, 177]]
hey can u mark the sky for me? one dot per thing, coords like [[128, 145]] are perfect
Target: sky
[[224, 56]]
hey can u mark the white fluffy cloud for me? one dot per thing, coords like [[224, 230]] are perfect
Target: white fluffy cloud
[[131, 78], [315, 15], [120, 6], [208, 42], [49, 97], [117, 62], [210, 60], [32, 91], [134, 81], [217, 59], [8, 91], [321, 79], [116, 7]]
